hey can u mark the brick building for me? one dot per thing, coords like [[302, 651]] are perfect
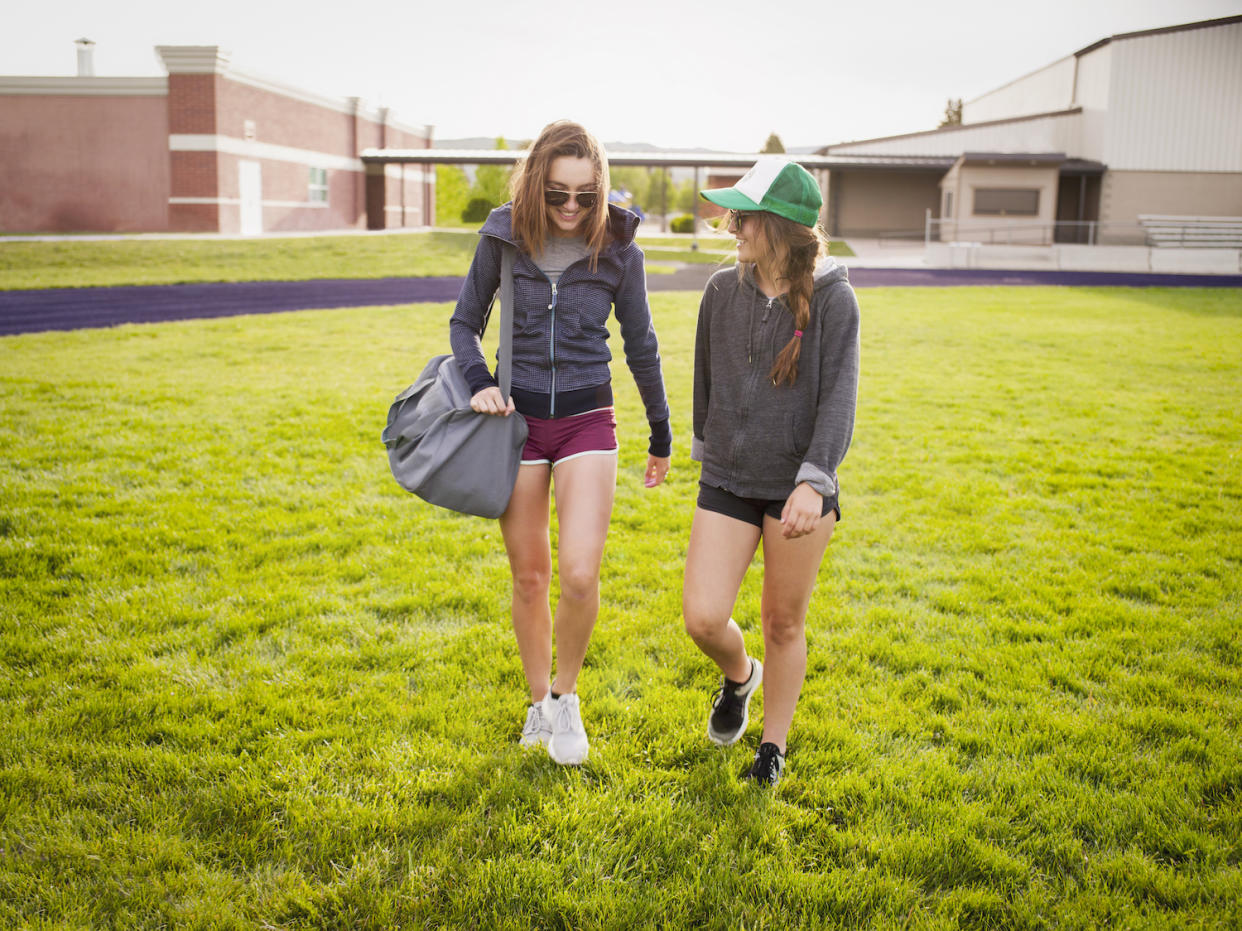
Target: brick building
[[207, 148]]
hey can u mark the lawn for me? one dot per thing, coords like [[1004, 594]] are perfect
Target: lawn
[[248, 683], [70, 263]]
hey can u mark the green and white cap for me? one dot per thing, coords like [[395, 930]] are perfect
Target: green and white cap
[[776, 185]]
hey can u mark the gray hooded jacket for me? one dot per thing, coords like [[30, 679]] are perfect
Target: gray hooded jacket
[[756, 440]]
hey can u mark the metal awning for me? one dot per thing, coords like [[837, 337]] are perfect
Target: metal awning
[[737, 160]]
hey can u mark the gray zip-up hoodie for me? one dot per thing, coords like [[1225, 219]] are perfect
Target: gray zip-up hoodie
[[756, 440]]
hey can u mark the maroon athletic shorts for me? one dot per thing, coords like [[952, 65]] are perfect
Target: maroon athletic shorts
[[554, 441]]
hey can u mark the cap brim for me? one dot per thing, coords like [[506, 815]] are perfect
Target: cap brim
[[730, 198]]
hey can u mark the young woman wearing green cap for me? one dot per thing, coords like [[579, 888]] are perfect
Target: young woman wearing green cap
[[775, 385]]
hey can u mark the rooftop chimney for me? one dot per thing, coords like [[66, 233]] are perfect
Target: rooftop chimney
[[86, 58]]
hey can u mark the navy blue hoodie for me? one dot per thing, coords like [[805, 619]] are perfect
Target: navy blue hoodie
[[560, 333]]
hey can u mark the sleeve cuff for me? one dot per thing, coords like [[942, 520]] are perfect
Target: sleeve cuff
[[696, 449], [478, 378], [660, 443], [818, 479]]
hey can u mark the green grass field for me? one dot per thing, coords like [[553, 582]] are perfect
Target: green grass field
[[249, 683], [70, 263]]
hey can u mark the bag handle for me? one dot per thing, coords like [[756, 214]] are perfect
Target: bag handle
[[504, 368]]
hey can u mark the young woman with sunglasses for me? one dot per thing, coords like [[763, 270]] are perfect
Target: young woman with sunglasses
[[576, 263], [775, 383]]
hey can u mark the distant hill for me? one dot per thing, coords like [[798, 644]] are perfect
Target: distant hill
[[489, 142]]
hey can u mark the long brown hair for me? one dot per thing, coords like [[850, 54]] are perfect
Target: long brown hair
[[793, 251], [530, 177]]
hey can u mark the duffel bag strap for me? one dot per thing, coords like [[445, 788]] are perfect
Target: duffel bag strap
[[504, 369]]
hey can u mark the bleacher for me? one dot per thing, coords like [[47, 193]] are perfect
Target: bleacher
[[1192, 232]]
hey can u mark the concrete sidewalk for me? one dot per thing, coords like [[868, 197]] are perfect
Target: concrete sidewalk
[[1058, 257]]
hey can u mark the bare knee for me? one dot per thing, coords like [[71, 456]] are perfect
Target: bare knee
[[782, 628], [702, 625], [579, 583], [532, 584]]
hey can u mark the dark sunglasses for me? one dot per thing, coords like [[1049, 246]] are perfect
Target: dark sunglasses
[[586, 199], [737, 218]]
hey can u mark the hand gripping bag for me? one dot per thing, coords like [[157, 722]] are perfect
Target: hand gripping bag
[[446, 453]]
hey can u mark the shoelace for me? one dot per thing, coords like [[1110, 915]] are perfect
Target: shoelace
[[534, 716], [567, 717], [767, 761], [727, 699]]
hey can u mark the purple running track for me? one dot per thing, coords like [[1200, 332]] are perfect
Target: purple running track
[[80, 308]]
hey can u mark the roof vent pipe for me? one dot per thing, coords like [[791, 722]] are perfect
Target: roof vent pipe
[[86, 58]]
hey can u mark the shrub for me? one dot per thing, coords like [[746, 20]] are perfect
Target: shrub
[[682, 224], [477, 209]]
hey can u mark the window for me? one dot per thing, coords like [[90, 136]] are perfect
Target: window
[[1007, 202], [318, 192], [948, 204]]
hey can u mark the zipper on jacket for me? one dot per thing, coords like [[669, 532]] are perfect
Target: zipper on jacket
[[552, 351], [750, 331], [552, 332]]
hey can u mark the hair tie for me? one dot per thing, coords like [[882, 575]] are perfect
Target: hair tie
[[797, 334]]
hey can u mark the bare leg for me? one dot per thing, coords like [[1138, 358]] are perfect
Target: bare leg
[[789, 571], [524, 525], [718, 556], [585, 488]]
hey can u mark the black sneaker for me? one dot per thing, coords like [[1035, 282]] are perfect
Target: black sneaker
[[730, 707], [768, 766]]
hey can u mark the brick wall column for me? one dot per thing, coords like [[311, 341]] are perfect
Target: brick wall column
[[194, 75]]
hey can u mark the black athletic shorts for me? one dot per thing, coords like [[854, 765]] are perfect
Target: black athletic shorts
[[750, 510]]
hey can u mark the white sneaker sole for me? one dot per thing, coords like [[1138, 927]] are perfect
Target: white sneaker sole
[[570, 759]]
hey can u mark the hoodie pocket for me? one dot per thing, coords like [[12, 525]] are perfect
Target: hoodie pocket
[[801, 429], [763, 447]]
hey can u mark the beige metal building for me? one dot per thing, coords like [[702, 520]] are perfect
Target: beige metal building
[[1140, 124]]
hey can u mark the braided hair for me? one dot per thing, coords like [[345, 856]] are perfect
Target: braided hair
[[793, 251]]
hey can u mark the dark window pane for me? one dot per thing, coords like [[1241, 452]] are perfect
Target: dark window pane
[[1015, 202]]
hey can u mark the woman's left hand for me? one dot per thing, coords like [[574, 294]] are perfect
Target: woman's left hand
[[657, 468], [802, 512]]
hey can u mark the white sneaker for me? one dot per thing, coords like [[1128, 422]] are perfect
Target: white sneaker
[[568, 744], [538, 729]]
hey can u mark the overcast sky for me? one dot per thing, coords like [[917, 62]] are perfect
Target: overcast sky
[[673, 73]]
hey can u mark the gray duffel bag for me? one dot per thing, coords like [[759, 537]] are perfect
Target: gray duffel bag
[[446, 453]]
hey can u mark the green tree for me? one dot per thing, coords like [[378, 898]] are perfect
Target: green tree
[[491, 182], [952, 113], [660, 194], [773, 145], [634, 179], [685, 197], [452, 192]]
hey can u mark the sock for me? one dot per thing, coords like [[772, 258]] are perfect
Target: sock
[[737, 685]]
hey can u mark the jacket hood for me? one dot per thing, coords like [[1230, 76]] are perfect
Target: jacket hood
[[622, 224], [829, 271]]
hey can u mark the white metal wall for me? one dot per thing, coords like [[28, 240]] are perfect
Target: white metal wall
[[1045, 134], [1176, 101], [1043, 91], [1091, 89]]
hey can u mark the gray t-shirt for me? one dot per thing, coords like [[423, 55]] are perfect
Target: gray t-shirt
[[560, 252]]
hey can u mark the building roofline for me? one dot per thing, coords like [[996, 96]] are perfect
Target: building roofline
[[737, 160], [1072, 111], [1048, 158], [1094, 46], [83, 86], [1161, 30]]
